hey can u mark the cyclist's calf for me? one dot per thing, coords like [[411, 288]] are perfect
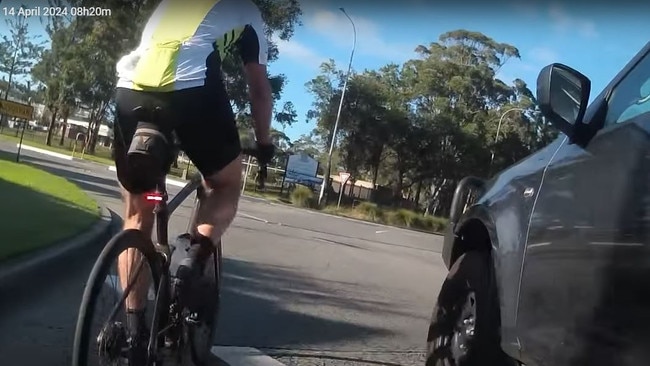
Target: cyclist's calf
[[219, 208]]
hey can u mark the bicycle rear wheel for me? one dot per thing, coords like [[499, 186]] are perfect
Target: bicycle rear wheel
[[108, 345]]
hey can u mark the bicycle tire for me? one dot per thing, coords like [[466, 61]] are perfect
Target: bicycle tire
[[124, 240], [198, 357]]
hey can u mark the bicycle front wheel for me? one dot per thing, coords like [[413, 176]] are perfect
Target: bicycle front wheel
[[126, 273]]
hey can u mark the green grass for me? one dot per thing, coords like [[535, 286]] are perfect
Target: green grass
[[38, 209], [102, 156]]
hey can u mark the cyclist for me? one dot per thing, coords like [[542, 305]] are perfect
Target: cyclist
[[177, 68]]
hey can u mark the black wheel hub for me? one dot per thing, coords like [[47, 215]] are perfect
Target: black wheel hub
[[464, 329], [111, 341]]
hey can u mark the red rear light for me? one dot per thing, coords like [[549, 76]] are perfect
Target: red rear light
[[155, 197]]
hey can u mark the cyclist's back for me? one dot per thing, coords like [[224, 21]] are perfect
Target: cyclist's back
[[181, 43], [177, 67], [176, 71]]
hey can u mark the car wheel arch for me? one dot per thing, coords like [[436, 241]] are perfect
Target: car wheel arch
[[473, 233]]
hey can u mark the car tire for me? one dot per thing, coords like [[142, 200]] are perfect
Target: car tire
[[464, 328]]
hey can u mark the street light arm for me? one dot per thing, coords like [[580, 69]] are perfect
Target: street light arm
[[496, 137], [354, 37], [501, 120]]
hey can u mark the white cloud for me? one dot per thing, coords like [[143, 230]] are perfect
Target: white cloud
[[564, 22], [336, 26], [299, 52]]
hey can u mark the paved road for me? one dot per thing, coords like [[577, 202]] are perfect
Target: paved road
[[306, 288]]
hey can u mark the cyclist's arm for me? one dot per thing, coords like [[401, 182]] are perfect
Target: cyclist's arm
[[253, 50]]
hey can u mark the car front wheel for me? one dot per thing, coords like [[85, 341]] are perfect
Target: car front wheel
[[464, 329]]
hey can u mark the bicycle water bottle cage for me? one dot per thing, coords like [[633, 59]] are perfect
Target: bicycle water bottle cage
[[148, 154]]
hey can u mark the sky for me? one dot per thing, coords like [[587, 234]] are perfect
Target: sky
[[598, 39]]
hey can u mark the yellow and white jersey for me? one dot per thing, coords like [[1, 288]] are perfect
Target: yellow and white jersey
[[181, 35]]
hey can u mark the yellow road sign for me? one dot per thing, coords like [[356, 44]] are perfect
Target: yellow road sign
[[18, 110]]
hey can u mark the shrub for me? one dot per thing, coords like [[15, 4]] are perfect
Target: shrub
[[430, 223], [302, 196], [370, 210], [332, 210], [402, 217], [406, 217]]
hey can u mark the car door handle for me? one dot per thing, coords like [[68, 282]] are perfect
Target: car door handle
[[528, 192]]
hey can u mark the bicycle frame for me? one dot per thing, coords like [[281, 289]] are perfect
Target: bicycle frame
[[162, 211]]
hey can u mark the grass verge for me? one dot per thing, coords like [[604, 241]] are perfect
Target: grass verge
[[38, 208], [392, 217], [65, 150]]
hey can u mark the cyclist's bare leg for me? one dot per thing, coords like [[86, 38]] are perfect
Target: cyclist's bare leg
[[138, 215], [220, 206]]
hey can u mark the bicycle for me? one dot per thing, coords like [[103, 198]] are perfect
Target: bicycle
[[173, 329]]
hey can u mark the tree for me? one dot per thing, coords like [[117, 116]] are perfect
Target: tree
[[54, 72], [17, 52], [431, 121], [307, 144], [287, 116], [103, 42]]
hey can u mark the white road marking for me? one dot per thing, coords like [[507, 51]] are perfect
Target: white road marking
[[244, 356], [253, 217], [45, 152], [381, 231], [539, 245]]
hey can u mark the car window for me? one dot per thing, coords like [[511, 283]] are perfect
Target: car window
[[631, 97]]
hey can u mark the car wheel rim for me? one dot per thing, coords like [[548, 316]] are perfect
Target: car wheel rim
[[464, 329]]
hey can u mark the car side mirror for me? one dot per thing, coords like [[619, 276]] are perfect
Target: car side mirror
[[563, 96]]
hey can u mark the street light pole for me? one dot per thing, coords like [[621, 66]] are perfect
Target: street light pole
[[328, 167], [496, 138]]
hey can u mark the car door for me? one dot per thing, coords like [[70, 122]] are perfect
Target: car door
[[586, 272]]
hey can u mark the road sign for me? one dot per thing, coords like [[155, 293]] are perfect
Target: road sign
[[18, 110], [344, 176], [300, 168]]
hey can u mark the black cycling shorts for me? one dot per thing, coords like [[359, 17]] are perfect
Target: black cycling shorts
[[201, 117]]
